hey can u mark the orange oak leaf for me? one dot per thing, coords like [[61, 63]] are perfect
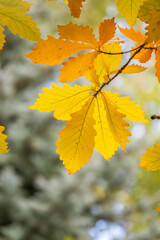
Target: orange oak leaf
[[105, 36], [145, 54], [73, 39], [158, 210], [75, 7], [133, 35]]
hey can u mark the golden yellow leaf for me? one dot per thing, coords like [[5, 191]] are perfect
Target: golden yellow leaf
[[116, 122], [127, 107], [107, 31], [76, 67], [2, 38], [151, 160], [78, 33], [157, 65], [92, 76], [133, 68], [13, 15], [75, 7], [76, 142], [63, 100], [153, 27], [133, 35], [106, 64], [129, 9], [53, 51], [3, 144], [105, 143]]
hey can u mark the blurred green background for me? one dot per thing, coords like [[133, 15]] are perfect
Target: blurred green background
[[103, 201]]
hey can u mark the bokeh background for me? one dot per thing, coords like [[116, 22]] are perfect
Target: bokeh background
[[103, 201]]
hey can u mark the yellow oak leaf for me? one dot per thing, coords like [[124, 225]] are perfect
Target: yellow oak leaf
[[116, 122], [76, 67], [106, 63], [105, 142], [2, 38], [129, 9], [157, 65], [133, 68], [76, 142], [151, 160], [126, 106], [13, 15], [93, 77], [3, 144], [153, 33], [133, 35], [106, 31], [73, 39], [63, 100]]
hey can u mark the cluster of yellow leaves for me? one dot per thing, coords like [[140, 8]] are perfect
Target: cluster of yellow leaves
[[95, 117], [13, 15], [75, 7], [3, 144], [94, 120]]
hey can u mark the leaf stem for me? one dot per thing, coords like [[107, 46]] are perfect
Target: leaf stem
[[121, 69]]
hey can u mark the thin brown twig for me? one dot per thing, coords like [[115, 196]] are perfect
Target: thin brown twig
[[155, 117], [121, 69]]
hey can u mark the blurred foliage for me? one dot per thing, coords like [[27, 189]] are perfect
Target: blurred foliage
[[38, 200]]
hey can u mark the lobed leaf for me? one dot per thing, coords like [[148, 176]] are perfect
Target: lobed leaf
[[2, 37], [105, 142], [76, 67], [77, 33], [12, 15], [151, 160], [116, 122], [75, 7], [3, 144], [63, 100], [129, 9], [76, 142], [133, 35], [153, 33], [107, 31], [127, 107], [54, 51]]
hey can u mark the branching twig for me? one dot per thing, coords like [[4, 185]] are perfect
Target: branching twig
[[121, 53], [121, 69]]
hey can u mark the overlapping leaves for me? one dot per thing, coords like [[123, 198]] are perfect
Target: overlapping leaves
[[73, 39], [95, 120]]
